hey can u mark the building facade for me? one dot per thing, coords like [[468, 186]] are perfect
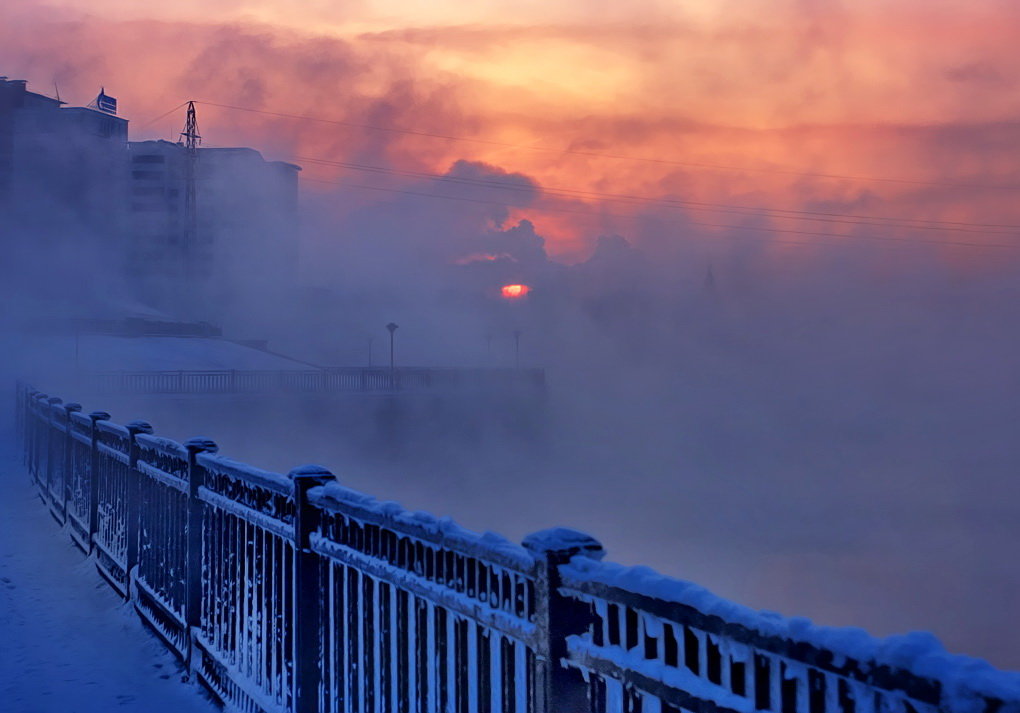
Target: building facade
[[242, 236], [62, 170]]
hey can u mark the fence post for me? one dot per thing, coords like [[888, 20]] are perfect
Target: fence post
[[307, 589], [134, 499], [68, 450], [95, 417], [193, 534], [559, 689]]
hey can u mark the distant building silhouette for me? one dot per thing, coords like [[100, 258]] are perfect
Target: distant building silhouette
[[247, 218], [62, 171], [69, 177]]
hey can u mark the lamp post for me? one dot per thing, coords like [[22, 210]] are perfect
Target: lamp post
[[393, 375], [517, 348], [393, 328]]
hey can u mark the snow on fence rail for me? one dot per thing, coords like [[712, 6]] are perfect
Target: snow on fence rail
[[293, 594], [328, 380]]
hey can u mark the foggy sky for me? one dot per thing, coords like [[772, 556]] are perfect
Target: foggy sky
[[918, 91]]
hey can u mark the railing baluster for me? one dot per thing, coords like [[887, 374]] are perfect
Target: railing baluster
[[558, 689], [307, 615], [95, 417], [193, 577], [133, 502]]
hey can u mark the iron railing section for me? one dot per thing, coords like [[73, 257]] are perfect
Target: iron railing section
[[112, 493], [326, 380], [292, 594], [418, 614], [39, 430], [161, 575], [54, 464], [247, 579], [79, 491], [648, 650]]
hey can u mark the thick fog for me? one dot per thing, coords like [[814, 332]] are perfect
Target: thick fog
[[826, 428]]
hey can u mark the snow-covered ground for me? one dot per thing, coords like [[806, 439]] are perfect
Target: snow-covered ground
[[68, 644]]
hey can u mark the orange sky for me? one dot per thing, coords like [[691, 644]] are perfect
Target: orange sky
[[921, 91]]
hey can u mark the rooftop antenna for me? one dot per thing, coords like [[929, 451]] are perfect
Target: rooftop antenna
[[190, 140], [57, 90]]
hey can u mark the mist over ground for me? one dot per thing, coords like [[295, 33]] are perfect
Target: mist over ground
[[837, 444]]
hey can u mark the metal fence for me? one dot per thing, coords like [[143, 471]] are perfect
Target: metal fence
[[294, 594], [327, 380]]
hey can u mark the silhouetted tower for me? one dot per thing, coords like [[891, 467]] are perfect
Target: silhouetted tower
[[190, 139], [710, 281]]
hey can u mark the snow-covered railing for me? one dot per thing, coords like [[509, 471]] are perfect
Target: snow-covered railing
[[327, 380], [294, 594], [424, 615], [655, 643]]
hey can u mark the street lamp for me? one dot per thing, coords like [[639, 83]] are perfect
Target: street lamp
[[517, 348]]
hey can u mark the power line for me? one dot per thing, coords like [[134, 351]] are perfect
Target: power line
[[788, 214], [595, 154], [749, 211], [916, 224], [164, 114], [781, 231]]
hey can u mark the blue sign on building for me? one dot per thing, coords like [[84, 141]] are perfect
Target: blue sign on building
[[105, 103]]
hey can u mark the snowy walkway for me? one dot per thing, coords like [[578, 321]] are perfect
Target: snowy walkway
[[68, 644]]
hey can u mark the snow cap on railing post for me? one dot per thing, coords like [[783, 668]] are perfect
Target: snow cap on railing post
[[563, 543], [305, 478], [136, 427], [559, 689], [201, 445], [193, 540], [307, 588], [134, 498]]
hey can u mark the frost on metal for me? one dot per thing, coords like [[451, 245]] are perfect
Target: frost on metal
[[294, 594], [682, 635]]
